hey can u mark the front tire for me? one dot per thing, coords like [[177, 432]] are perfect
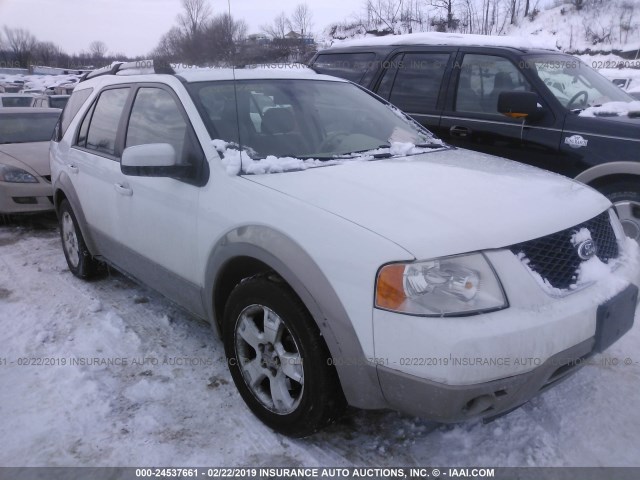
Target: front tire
[[625, 196], [79, 259], [278, 359]]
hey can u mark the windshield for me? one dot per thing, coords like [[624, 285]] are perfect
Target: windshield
[[305, 119], [574, 84], [23, 128], [16, 101]]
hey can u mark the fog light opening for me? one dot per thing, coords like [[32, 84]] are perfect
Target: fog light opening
[[478, 405], [25, 200]]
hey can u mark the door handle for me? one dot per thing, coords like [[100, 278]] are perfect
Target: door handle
[[72, 168], [123, 189], [458, 131]]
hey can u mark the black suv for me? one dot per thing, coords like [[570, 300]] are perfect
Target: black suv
[[527, 104]]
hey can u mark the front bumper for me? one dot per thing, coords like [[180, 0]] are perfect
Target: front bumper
[[455, 403], [26, 197]]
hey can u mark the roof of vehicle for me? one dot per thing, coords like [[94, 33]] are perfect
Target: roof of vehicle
[[449, 39], [28, 95], [28, 110], [207, 74]]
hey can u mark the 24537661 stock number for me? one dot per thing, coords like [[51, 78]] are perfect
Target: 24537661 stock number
[[196, 472]]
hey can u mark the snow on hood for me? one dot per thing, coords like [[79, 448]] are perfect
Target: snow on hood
[[613, 109], [445, 202]]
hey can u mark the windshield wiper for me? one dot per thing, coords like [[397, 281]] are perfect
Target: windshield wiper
[[430, 145]]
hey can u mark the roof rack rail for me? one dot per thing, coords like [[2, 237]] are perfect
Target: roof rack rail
[[138, 67]]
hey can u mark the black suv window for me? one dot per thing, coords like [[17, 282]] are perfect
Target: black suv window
[[356, 67], [417, 83], [103, 126], [482, 79]]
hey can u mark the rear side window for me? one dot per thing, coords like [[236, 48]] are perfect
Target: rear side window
[[77, 99], [103, 126], [417, 83], [357, 67]]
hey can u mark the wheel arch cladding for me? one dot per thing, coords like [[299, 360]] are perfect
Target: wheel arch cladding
[[63, 190], [252, 250], [604, 173]]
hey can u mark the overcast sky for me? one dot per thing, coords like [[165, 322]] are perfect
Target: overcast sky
[[134, 27]]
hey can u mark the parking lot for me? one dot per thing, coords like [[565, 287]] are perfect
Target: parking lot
[[109, 373]]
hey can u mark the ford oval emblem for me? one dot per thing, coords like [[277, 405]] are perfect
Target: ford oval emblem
[[586, 249]]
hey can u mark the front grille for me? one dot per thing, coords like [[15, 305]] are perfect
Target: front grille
[[556, 259]]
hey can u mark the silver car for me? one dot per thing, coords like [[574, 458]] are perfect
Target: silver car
[[25, 175]]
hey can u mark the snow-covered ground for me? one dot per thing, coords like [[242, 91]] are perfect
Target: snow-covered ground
[[173, 403]]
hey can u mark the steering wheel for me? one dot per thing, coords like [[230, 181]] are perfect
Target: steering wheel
[[332, 140], [581, 93]]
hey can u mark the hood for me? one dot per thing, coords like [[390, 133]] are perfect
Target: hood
[[32, 155], [446, 202]]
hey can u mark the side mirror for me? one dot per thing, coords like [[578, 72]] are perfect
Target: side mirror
[[151, 160], [520, 105]]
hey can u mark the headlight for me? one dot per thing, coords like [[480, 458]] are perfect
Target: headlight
[[448, 286], [15, 175]]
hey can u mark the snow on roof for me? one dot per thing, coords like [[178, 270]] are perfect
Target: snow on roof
[[456, 39]]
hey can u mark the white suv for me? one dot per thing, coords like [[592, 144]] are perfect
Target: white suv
[[343, 253]]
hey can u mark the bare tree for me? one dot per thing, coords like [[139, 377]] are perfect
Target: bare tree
[[278, 28], [196, 14], [98, 49], [513, 11], [170, 46], [47, 53], [222, 36], [21, 43], [447, 6], [301, 19], [386, 12], [626, 23]]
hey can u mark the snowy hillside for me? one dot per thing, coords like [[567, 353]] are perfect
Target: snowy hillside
[[600, 28]]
